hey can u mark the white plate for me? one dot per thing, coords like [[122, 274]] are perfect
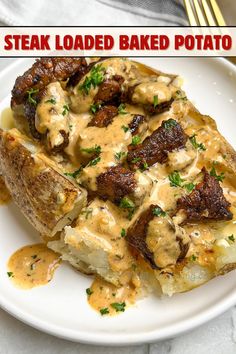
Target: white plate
[[60, 308]]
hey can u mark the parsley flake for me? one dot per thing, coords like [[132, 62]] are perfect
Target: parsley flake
[[196, 145], [94, 162], [169, 124], [119, 306], [65, 109], [136, 140], [119, 155], [155, 101], [121, 109], [193, 258], [158, 212], [87, 212], [175, 179], [127, 203], [89, 291], [31, 92], [219, 177], [189, 186], [123, 232], [95, 107], [231, 238], [94, 79], [10, 274], [75, 173], [104, 311], [125, 128], [51, 100], [136, 159], [93, 150]]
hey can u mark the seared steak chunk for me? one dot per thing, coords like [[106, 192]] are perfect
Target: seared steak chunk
[[43, 72], [168, 137], [104, 116], [116, 183], [206, 202], [137, 120], [109, 90]]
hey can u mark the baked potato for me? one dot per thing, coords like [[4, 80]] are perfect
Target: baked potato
[[139, 183]]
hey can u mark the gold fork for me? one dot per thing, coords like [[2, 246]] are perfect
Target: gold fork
[[204, 13]]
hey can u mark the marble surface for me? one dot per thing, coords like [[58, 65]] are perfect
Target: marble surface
[[218, 336]]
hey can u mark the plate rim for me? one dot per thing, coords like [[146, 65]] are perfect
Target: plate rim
[[91, 338]]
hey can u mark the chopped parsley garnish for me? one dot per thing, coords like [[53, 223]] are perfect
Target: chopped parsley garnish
[[196, 145], [158, 212], [123, 232], [136, 140], [169, 124], [189, 186], [144, 166], [231, 238], [127, 203], [51, 100], [88, 212], [94, 79], [119, 306], [89, 291], [104, 311], [121, 109], [119, 155], [193, 258], [213, 173], [136, 159], [125, 128], [133, 266], [75, 173], [175, 179], [93, 150], [94, 161], [95, 107], [10, 274], [155, 101], [31, 92], [65, 109], [180, 95], [34, 256]]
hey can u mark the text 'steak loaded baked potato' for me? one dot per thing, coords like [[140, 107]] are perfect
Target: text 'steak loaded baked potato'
[[128, 181]]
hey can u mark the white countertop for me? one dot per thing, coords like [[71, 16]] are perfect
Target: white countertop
[[215, 337]]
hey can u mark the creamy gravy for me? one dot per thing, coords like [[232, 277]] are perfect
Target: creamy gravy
[[5, 196], [32, 266], [108, 299]]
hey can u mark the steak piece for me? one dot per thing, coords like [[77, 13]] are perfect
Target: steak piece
[[160, 108], [136, 235], [168, 137], [206, 202], [43, 72], [110, 90], [104, 116], [167, 243], [116, 183], [137, 120]]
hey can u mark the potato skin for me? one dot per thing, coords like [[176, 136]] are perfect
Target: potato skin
[[47, 199]]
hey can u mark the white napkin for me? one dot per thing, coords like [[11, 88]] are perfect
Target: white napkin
[[92, 12]]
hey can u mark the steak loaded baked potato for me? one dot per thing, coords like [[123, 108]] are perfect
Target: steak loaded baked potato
[[112, 157]]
